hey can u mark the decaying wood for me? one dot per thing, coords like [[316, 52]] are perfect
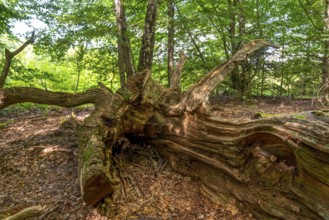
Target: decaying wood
[[10, 96], [27, 213], [278, 167], [101, 131], [176, 76]]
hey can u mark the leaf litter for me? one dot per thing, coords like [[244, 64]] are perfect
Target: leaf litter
[[38, 166]]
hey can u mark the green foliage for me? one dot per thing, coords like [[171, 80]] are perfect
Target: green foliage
[[79, 46], [8, 12]]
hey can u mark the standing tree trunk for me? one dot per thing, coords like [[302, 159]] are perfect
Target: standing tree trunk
[[125, 58], [245, 66], [277, 167], [324, 31], [174, 72], [325, 71], [148, 39], [235, 76], [79, 63], [171, 30], [325, 63]]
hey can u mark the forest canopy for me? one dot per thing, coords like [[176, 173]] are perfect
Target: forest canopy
[[76, 46]]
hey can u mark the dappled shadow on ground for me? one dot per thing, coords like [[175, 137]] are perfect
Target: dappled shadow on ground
[[38, 166]]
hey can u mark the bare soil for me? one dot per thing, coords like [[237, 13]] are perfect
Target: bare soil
[[38, 166]]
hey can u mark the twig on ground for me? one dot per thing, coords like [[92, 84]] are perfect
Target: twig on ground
[[26, 213]]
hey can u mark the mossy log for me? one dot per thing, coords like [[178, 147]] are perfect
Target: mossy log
[[278, 167]]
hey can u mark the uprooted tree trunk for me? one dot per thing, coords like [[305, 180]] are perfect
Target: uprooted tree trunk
[[278, 167]]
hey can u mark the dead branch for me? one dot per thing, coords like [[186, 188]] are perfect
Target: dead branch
[[200, 91], [16, 95], [9, 57], [175, 80]]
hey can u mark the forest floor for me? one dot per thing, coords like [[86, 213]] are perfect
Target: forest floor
[[38, 166]]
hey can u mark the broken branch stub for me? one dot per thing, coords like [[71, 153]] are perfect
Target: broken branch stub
[[176, 77], [200, 91]]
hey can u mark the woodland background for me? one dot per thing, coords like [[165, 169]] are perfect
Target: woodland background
[[77, 44]]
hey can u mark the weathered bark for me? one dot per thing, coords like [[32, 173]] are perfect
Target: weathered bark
[[15, 95], [325, 63], [234, 46], [101, 131], [174, 72], [95, 179], [171, 31], [277, 167], [125, 58], [148, 39], [176, 76]]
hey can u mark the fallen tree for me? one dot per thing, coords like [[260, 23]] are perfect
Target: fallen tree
[[278, 167]]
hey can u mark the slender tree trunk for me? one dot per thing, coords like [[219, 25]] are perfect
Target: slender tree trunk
[[259, 26], [259, 54], [325, 64], [325, 70], [79, 63], [263, 80], [235, 76], [245, 81], [78, 80], [171, 32], [125, 58], [148, 39], [324, 90], [282, 70], [121, 63]]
